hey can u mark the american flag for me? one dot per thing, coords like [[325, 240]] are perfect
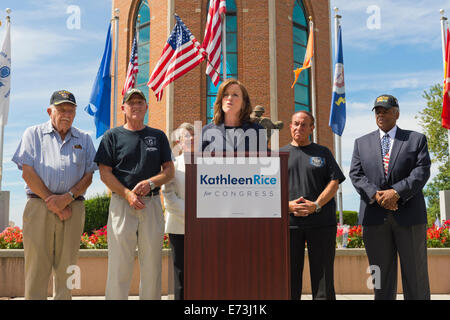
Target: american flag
[[213, 38], [132, 69], [181, 54]]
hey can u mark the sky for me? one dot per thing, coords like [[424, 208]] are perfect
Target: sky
[[391, 47]]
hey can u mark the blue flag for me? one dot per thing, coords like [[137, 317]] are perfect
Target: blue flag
[[100, 101], [338, 113]]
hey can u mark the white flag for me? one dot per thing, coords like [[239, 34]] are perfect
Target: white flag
[[5, 76]]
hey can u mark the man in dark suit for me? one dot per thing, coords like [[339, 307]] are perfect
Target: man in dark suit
[[389, 168]]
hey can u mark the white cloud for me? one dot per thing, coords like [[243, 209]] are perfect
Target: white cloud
[[387, 82], [31, 45], [401, 22]]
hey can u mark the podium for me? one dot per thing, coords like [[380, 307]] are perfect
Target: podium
[[236, 258]]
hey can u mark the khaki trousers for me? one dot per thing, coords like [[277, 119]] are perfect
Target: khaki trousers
[[128, 228], [50, 243]]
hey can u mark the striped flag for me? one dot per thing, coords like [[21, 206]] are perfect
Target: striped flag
[[212, 41], [130, 81], [446, 98], [181, 54], [338, 109], [308, 56]]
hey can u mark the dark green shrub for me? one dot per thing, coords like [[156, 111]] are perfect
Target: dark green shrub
[[96, 212], [349, 217]]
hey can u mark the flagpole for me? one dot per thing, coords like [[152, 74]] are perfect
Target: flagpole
[[338, 146], [443, 23], [4, 195], [136, 31], [2, 130], [116, 61], [224, 45], [313, 83]]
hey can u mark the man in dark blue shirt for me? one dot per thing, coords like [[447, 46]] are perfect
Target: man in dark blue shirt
[[314, 178], [134, 161]]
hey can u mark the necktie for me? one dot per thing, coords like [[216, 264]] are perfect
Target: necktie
[[385, 144]]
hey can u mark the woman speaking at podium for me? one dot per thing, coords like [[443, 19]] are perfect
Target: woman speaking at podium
[[231, 129]]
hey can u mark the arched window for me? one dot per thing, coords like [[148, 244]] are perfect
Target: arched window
[[299, 42], [142, 26], [232, 61]]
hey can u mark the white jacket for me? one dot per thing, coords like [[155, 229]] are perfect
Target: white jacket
[[173, 193]]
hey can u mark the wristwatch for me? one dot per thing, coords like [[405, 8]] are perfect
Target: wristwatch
[[71, 194], [152, 185], [396, 194], [318, 207]]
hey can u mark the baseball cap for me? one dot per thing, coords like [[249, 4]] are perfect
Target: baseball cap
[[130, 92], [62, 96], [386, 101]]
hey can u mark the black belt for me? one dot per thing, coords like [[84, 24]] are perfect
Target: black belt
[[153, 193], [35, 196], [150, 194]]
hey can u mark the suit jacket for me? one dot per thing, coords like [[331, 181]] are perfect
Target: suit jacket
[[408, 172]]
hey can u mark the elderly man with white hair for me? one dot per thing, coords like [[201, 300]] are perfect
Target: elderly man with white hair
[[57, 161]]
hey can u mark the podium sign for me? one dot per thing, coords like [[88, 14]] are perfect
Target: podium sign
[[239, 189], [237, 228]]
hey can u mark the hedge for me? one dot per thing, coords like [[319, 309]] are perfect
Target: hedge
[[349, 217], [96, 212]]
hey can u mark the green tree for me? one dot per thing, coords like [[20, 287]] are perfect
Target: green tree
[[437, 137]]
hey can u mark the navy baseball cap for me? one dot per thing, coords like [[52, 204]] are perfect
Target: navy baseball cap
[[62, 96], [386, 101]]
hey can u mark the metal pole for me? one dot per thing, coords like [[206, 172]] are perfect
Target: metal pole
[[2, 130], [136, 30], [170, 89], [443, 38], [313, 83], [116, 61], [338, 147], [443, 34], [224, 45]]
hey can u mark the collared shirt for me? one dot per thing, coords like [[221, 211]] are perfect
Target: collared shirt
[[391, 134], [59, 164]]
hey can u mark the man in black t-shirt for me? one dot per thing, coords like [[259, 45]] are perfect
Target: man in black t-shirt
[[134, 161], [314, 178]]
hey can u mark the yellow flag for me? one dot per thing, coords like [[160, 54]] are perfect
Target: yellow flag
[[308, 56]]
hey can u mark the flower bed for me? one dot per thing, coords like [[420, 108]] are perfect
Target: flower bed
[[438, 237], [97, 240], [351, 236], [12, 238], [346, 237]]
